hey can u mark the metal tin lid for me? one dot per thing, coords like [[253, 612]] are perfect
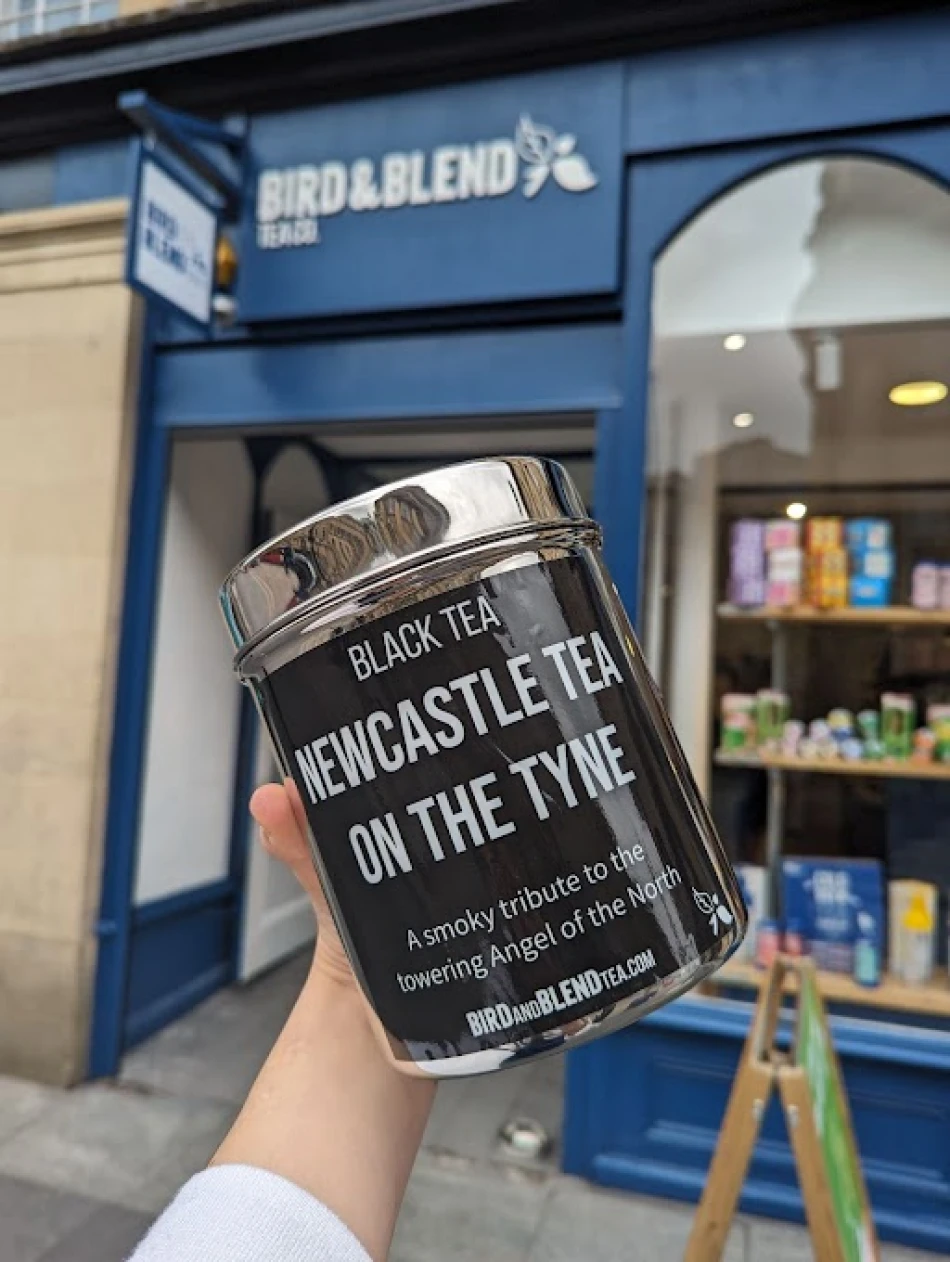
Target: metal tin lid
[[402, 523]]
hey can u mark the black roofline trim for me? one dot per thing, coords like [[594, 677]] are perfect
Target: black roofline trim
[[224, 37], [208, 59]]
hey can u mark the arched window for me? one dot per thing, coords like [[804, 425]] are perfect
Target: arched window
[[800, 371]]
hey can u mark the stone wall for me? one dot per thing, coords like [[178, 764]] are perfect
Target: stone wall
[[68, 333]]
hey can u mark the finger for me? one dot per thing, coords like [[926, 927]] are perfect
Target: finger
[[272, 809], [282, 836]]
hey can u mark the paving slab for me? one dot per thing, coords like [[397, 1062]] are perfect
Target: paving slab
[[109, 1234], [107, 1143], [191, 1151], [456, 1210], [21, 1103], [215, 1052], [580, 1221], [33, 1219]]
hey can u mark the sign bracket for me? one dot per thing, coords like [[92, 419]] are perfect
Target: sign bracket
[[186, 136]]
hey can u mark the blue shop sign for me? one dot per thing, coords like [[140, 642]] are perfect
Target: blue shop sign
[[491, 192]]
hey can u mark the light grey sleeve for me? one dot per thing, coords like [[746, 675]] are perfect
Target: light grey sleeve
[[240, 1214]]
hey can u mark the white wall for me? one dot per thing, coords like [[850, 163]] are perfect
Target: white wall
[[185, 827], [277, 915]]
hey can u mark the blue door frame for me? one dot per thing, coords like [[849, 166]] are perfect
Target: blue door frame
[[235, 384]]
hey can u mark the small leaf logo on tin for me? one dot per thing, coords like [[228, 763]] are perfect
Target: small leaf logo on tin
[[710, 906], [545, 153]]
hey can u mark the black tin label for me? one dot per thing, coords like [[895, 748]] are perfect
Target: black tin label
[[509, 844]]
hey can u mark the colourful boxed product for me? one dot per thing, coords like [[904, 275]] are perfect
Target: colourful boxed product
[[875, 563], [747, 547], [747, 562], [938, 720], [738, 722], [866, 534], [780, 594], [869, 593], [898, 720], [792, 734], [747, 593], [771, 713], [840, 724], [784, 567], [781, 534], [827, 579], [925, 742], [869, 725], [873, 750], [826, 897], [925, 585], [911, 932], [753, 882], [824, 534]]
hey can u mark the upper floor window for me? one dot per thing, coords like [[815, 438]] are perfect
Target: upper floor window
[[20, 19]]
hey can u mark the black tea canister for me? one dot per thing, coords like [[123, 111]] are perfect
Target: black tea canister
[[512, 845]]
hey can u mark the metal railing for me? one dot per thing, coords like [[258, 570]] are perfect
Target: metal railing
[[21, 19]]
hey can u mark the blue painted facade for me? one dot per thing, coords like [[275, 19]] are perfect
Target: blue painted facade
[[523, 306]]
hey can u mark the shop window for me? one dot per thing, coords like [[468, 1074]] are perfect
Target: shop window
[[797, 588]]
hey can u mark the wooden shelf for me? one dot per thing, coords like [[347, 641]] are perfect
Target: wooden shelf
[[932, 1000], [888, 616], [900, 770]]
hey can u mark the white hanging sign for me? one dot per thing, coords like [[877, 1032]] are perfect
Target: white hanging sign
[[172, 242]]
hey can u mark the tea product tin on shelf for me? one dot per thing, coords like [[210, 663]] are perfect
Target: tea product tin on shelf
[[511, 843]]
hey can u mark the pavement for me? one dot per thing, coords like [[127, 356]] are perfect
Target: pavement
[[84, 1172]]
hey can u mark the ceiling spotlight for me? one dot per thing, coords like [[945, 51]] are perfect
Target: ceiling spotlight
[[796, 510], [917, 394], [734, 342], [742, 420]]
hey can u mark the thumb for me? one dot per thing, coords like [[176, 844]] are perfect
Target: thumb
[[283, 835]]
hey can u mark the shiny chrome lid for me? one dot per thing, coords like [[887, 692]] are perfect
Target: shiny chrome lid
[[392, 527]]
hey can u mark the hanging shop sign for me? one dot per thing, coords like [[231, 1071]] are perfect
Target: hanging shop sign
[[173, 239], [188, 180], [499, 191]]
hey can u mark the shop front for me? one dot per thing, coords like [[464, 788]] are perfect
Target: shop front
[[700, 281]]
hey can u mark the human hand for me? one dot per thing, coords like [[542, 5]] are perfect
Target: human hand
[[329, 1111], [279, 813]]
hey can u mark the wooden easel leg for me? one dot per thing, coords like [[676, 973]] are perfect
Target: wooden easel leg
[[748, 1101]]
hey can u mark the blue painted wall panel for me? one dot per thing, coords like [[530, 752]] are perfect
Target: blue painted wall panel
[[547, 224], [181, 950], [88, 173], [645, 1106], [431, 375], [821, 80]]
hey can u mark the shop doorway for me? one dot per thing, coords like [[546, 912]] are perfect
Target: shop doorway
[[209, 905]]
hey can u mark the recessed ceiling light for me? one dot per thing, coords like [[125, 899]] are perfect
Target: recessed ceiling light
[[917, 394], [796, 510], [734, 342], [742, 420]]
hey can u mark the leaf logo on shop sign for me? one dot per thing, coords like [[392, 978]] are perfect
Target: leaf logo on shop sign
[[545, 154]]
